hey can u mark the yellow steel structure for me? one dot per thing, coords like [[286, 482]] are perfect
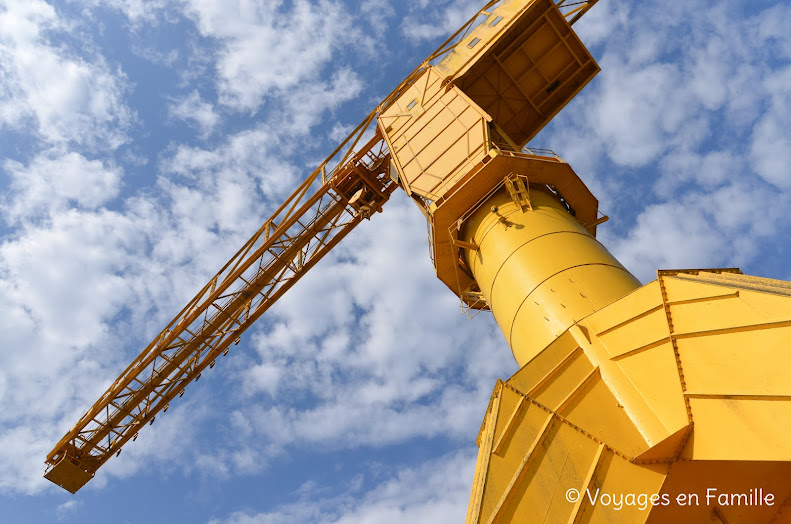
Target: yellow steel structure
[[677, 391], [668, 402], [539, 269]]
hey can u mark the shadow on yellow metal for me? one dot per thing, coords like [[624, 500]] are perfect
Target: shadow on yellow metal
[[678, 391]]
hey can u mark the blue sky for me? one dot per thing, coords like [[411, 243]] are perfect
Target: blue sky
[[142, 142]]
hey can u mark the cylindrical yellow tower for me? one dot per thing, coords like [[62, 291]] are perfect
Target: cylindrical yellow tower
[[539, 270]]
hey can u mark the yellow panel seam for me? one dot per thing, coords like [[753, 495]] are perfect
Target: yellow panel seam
[[526, 462], [630, 320], [509, 426], [564, 420], [554, 371], [687, 403], [575, 513], [474, 516]]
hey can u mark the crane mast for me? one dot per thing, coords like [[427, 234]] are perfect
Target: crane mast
[[651, 391]]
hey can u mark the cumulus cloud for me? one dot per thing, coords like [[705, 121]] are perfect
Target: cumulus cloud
[[639, 126], [65, 97], [221, 186], [436, 492], [80, 293], [378, 12], [267, 46], [59, 288], [83, 287], [55, 181], [435, 20], [305, 105], [91, 269], [771, 145], [193, 109], [66, 509], [682, 137], [140, 11], [691, 99]]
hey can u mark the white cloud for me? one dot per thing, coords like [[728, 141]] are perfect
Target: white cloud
[[370, 349], [378, 12], [79, 283], [770, 27], [305, 105], [267, 47], [157, 56], [66, 97], [66, 509], [771, 140], [639, 110], [221, 187], [707, 170], [80, 293], [59, 288], [720, 228], [667, 88], [192, 108], [440, 21], [436, 492], [684, 132], [694, 93], [170, 444], [601, 22], [140, 11], [55, 181]]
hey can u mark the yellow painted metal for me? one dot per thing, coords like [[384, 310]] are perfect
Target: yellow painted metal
[[529, 70], [449, 212], [479, 39], [70, 473], [457, 130], [514, 72], [539, 271], [436, 135], [518, 188], [663, 390], [542, 456], [682, 383]]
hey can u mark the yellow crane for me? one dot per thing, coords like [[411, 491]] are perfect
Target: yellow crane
[[657, 403]]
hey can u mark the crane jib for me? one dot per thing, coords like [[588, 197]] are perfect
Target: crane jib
[[195, 339]]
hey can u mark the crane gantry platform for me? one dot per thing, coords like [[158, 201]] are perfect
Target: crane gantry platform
[[671, 397]]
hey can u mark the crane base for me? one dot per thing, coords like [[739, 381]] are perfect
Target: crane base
[[672, 404]]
